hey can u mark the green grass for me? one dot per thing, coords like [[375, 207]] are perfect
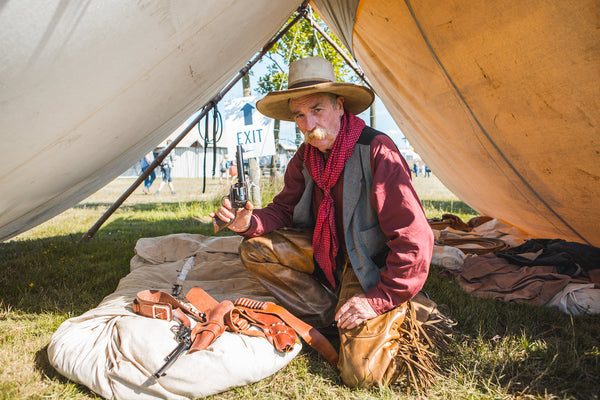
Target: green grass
[[500, 351]]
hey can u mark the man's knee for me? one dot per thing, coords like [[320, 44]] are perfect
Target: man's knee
[[254, 251]]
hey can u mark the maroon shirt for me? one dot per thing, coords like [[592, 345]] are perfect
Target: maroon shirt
[[401, 218]]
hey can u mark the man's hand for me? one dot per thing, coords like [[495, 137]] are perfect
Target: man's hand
[[241, 218], [356, 310]]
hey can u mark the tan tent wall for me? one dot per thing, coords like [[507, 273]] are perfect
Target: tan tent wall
[[501, 99]]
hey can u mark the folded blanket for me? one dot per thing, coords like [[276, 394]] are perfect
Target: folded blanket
[[488, 275]]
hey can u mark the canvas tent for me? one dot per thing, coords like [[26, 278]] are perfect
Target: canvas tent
[[501, 99]]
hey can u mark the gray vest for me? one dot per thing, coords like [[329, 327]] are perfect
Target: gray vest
[[363, 235]]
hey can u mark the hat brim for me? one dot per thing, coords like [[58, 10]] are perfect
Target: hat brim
[[275, 105]]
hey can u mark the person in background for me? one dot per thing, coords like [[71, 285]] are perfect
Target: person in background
[[233, 170], [145, 163], [167, 167], [224, 169], [346, 243], [427, 172]]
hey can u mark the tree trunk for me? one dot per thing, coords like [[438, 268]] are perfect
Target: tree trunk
[[276, 126], [373, 122], [246, 85]]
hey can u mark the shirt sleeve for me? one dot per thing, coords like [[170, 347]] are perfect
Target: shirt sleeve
[[403, 221], [280, 212]]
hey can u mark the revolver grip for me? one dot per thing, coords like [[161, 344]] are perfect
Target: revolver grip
[[219, 224]]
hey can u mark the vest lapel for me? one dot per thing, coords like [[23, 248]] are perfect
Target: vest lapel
[[352, 184]]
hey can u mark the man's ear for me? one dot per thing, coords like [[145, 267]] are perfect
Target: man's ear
[[339, 102]]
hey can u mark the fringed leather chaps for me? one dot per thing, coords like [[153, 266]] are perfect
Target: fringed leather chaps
[[380, 351]]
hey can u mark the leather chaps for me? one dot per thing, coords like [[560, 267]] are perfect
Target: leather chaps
[[282, 261]]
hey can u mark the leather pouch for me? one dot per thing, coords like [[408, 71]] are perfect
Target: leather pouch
[[277, 332]]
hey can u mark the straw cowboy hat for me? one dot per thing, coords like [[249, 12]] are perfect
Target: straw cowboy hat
[[313, 75]]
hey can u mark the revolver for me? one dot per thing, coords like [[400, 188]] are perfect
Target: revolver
[[184, 339], [238, 193]]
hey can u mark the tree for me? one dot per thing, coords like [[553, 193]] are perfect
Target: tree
[[299, 42]]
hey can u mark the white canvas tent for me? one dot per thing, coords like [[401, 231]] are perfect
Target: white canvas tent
[[501, 99]]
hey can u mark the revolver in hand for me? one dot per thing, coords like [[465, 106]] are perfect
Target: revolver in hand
[[238, 193]]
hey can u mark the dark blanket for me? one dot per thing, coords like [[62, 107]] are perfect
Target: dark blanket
[[569, 258]]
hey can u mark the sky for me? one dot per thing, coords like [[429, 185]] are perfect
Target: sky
[[383, 120]]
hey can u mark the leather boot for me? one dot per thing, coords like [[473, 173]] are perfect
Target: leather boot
[[282, 261]]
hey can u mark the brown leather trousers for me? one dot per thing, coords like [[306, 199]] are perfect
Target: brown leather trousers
[[283, 262]]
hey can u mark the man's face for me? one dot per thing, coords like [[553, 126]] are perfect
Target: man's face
[[318, 117]]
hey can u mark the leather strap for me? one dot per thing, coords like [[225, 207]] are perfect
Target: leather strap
[[265, 315], [201, 300], [310, 335], [160, 305], [273, 328]]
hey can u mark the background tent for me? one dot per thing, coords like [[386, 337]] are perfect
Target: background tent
[[501, 99]]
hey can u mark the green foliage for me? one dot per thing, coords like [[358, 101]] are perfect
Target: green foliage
[[299, 42]]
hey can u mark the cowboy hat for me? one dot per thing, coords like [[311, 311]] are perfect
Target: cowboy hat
[[313, 75]]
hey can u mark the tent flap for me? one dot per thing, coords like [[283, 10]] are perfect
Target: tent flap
[[87, 90], [504, 112]]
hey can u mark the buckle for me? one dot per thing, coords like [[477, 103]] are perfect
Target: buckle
[[158, 311]]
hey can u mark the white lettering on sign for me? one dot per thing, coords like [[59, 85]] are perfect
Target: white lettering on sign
[[249, 137], [245, 126]]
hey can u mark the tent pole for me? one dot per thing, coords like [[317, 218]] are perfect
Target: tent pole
[[302, 11], [144, 175], [341, 52]]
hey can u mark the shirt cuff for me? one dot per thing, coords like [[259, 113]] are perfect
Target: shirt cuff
[[251, 231], [378, 300]]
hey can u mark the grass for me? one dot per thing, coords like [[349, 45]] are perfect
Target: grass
[[500, 351]]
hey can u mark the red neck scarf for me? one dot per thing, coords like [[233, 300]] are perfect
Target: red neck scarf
[[325, 175]]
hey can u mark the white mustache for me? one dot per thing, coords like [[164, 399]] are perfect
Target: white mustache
[[317, 133]]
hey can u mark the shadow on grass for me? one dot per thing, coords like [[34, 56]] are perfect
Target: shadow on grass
[[61, 274]]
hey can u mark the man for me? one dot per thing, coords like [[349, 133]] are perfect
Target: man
[[346, 241], [145, 163], [167, 166]]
